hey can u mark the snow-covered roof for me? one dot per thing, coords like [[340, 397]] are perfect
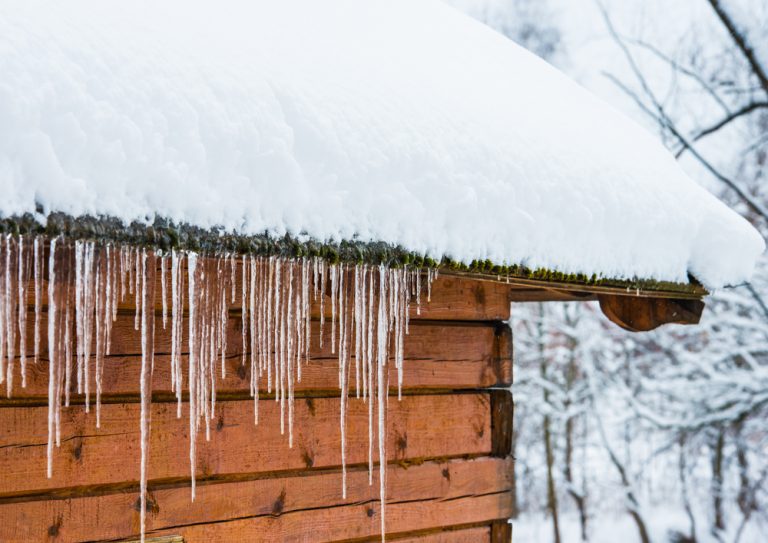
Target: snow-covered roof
[[391, 120]]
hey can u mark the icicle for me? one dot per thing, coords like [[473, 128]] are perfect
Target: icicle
[[137, 273], [223, 316], [232, 266], [22, 305], [322, 300], [99, 301], [79, 310], [38, 297], [255, 336], [277, 343], [62, 301], [429, 284], [88, 299], [263, 313], [191, 269], [400, 293], [163, 292], [110, 309], [268, 319], [283, 346], [124, 270], [343, 382], [206, 346], [67, 385], [334, 294], [68, 340], [369, 364], [364, 303], [145, 298], [306, 310], [243, 308], [176, 321], [315, 270], [3, 307], [289, 318], [254, 349], [381, 361], [307, 318], [418, 292], [10, 315], [52, 354]]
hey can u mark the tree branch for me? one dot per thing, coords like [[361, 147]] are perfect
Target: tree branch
[[749, 108], [661, 116], [741, 42]]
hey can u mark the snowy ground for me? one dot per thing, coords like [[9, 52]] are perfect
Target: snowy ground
[[619, 528]]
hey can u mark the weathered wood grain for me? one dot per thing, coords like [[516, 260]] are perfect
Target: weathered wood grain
[[352, 523], [480, 534], [116, 516], [452, 298], [418, 427], [437, 356]]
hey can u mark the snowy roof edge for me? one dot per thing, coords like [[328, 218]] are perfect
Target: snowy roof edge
[[166, 235]]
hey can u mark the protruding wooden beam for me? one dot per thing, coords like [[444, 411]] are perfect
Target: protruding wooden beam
[[638, 314]]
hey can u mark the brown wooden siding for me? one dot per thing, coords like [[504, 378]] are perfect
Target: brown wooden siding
[[450, 472]]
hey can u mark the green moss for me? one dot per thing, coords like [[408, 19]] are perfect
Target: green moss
[[165, 235]]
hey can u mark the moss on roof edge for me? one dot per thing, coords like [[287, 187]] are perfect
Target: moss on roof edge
[[166, 235]]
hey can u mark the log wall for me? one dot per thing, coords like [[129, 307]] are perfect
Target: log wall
[[450, 476]]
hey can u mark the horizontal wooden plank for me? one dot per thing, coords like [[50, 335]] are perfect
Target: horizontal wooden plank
[[416, 428], [481, 534], [437, 356], [350, 523], [115, 516], [453, 297]]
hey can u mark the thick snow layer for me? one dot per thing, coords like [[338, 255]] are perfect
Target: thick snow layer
[[394, 120]]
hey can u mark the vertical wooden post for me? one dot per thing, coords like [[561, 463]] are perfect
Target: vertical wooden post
[[502, 425]]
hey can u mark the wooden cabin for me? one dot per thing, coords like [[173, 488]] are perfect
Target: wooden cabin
[[396, 145], [450, 474]]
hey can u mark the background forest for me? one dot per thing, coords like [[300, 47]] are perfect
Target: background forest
[[663, 436]]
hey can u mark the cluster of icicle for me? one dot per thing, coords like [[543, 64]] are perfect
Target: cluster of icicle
[[87, 280]]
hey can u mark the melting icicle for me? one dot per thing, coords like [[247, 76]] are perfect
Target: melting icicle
[[381, 360], [243, 307], [3, 328], [343, 381], [99, 301], [163, 292], [369, 364], [322, 300], [334, 294], [10, 314], [252, 300], [191, 271], [22, 304], [38, 297], [52, 354], [177, 308], [145, 298]]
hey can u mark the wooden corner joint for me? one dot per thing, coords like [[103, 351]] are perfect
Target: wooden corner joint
[[640, 314]]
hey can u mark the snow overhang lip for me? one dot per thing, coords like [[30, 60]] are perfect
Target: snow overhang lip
[[165, 235]]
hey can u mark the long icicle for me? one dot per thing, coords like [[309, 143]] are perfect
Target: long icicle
[[10, 314], [52, 354], [191, 271], [22, 305], [381, 360], [38, 296], [146, 299]]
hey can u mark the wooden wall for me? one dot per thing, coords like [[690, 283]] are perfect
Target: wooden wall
[[450, 470]]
